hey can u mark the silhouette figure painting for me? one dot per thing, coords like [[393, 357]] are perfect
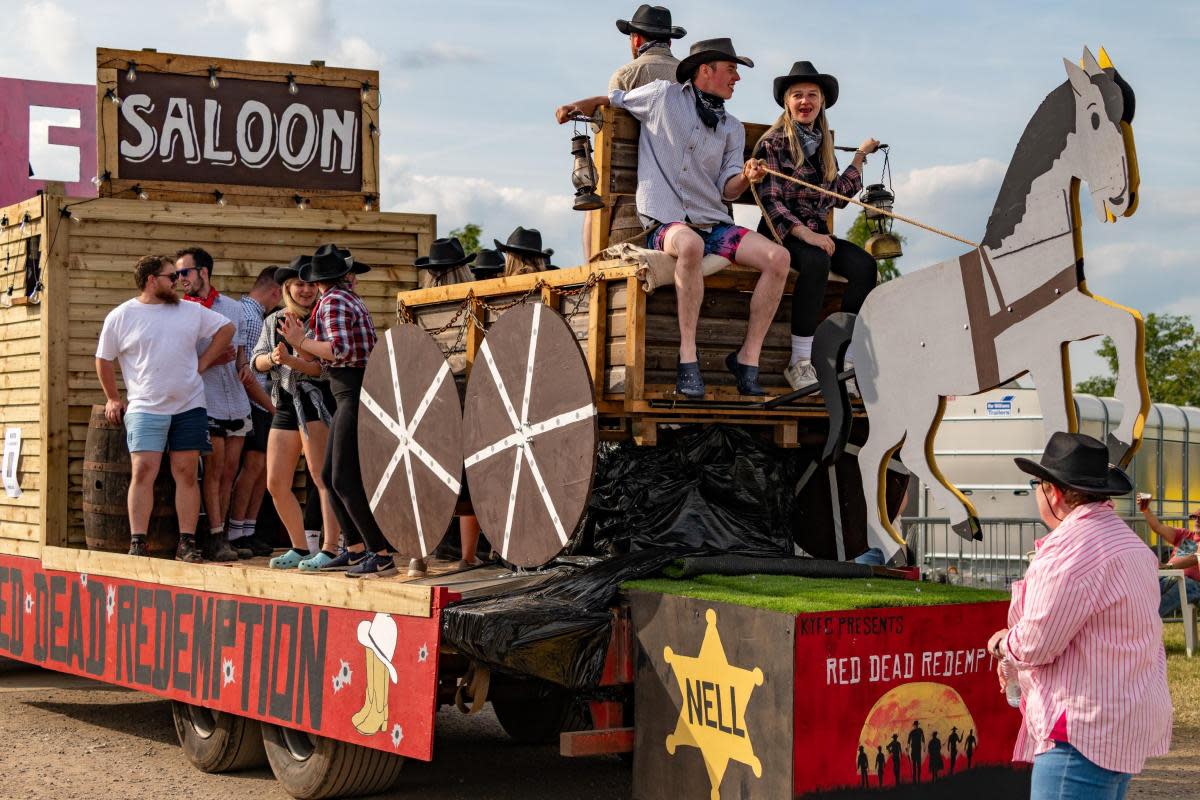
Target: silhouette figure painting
[[880, 760], [863, 765], [1005, 309], [970, 746], [952, 745], [916, 744], [935, 757], [895, 749]]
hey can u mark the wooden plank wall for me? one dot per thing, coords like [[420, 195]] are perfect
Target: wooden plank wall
[[113, 234], [20, 378]]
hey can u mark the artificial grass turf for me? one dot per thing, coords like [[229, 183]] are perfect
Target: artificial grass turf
[[794, 595]]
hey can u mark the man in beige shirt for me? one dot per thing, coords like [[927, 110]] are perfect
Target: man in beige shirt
[[650, 33]]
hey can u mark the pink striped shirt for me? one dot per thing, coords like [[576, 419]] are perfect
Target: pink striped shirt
[[1086, 638]]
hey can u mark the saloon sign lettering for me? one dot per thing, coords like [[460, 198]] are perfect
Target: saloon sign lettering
[[246, 132]]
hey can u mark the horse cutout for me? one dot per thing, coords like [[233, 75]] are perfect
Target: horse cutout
[[1007, 308]]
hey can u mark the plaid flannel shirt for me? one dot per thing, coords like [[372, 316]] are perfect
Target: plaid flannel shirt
[[343, 320], [788, 204], [252, 323]]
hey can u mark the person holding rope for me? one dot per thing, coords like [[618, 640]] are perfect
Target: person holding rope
[[689, 167], [343, 337], [799, 145], [304, 409]]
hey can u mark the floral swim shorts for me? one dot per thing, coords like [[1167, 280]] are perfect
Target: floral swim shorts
[[723, 240]]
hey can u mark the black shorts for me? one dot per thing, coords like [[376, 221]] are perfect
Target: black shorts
[[260, 419], [225, 428], [285, 410]]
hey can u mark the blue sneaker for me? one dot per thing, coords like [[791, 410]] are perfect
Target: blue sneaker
[[344, 560], [688, 381], [373, 566], [746, 375]]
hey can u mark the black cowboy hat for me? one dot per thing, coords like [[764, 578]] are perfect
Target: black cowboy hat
[[1078, 461], [293, 269], [444, 254], [488, 264], [805, 72], [329, 263], [525, 242], [706, 51], [651, 21]]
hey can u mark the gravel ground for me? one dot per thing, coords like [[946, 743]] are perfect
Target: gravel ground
[[67, 737]]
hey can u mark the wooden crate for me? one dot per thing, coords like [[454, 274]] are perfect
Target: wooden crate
[[48, 380]]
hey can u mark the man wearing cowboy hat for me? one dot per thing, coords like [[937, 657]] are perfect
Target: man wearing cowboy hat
[[1183, 557], [689, 167], [1084, 636], [650, 33]]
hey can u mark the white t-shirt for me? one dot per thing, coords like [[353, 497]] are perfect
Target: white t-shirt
[[155, 344]]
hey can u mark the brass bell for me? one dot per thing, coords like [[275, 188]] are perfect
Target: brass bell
[[882, 246]]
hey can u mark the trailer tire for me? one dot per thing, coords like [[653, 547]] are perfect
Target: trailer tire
[[312, 767], [216, 741], [539, 720]]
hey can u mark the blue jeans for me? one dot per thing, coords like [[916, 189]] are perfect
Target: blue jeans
[[1169, 603], [1064, 774]]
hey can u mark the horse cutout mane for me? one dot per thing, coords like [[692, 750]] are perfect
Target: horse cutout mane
[[1009, 308]]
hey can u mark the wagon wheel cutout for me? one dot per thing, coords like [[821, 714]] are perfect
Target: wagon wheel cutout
[[529, 434], [410, 422]]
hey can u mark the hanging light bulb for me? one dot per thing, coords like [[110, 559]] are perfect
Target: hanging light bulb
[[213, 83], [301, 202], [369, 203], [220, 197], [140, 192], [111, 97], [131, 73], [66, 214], [4, 221], [366, 91], [292, 87], [25, 220]]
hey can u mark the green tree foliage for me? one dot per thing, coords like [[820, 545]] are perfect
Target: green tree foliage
[[1172, 362], [859, 233], [468, 235]]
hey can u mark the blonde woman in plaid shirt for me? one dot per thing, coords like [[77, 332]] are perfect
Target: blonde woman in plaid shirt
[[799, 144]]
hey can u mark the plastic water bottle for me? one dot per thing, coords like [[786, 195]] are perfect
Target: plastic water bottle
[[1012, 687]]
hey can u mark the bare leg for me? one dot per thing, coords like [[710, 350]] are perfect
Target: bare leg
[[233, 458], [468, 537], [214, 469], [259, 493], [688, 248], [187, 489], [140, 498], [283, 451], [772, 260], [249, 481], [314, 455]]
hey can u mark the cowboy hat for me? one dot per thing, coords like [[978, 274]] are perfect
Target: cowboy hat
[[1078, 461], [805, 72], [525, 242], [651, 21], [488, 264], [292, 270], [444, 254], [329, 263], [706, 51], [379, 636]]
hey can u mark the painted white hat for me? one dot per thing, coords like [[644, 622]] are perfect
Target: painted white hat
[[379, 636]]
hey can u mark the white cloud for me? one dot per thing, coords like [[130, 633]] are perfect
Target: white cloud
[[296, 31], [1114, 259], [42, 41]]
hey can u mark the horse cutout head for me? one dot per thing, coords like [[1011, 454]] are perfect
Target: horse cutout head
[[1008, 308]]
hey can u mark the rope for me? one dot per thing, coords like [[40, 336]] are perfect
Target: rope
[[831, 193]]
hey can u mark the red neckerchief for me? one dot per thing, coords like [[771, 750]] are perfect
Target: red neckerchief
[[207, 302]]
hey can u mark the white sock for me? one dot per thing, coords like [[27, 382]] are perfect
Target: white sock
[[236, 529], [801, 348], [314, 541], [248, 527]]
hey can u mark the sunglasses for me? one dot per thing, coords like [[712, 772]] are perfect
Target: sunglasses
[[1034, 483], [183, 273], [171, 276]]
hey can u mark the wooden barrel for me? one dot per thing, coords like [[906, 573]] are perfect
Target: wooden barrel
[[625, 227], [106, 473]]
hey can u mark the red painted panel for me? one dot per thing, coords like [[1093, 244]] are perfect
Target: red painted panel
[[864, 676], [15, 99], [309, 667]]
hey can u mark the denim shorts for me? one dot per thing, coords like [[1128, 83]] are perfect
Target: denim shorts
[[722, 240], [154, 433]]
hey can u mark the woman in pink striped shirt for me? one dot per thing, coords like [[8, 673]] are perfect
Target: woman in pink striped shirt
[[1084, 635]]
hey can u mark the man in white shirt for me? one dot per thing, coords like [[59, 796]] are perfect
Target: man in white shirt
[[154, 337]]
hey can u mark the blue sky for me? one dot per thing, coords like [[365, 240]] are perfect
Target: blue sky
[[469, 88]]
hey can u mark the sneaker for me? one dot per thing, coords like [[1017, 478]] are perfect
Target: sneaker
[[416, 568], [800, 374], [187, 551], [851, 384], [239, 547], [289, 560], [256, 545], [745, 375], [344, 560], [688, 380], [318, 562], [137, 546], [373, 566]]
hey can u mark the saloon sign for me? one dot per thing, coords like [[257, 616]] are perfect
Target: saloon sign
[[177, 128]]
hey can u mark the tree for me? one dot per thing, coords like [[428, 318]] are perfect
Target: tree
[[859, 233], [468, 235], [1172, 362]]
